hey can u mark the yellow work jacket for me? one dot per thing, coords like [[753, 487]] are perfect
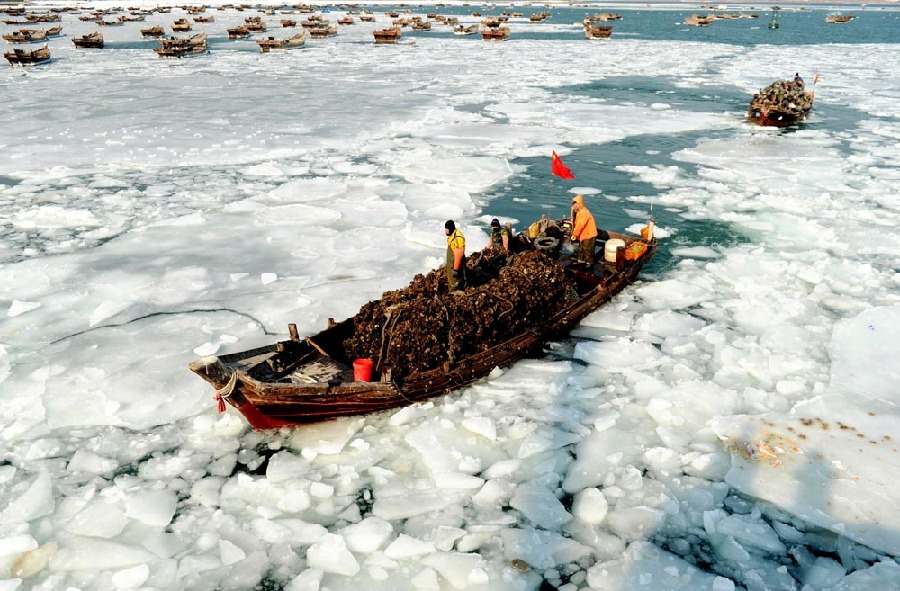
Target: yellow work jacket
[[585, 228]]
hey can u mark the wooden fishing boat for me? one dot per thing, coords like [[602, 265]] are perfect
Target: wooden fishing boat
[[592, 31], [131, 18], [266, 45], [14, 10], [240, 32], [181, 47], [323, 30], [106, 23], [838, 19], [296, 382], [421, 26], [90, 41], [26, 36], [537, 17], [346, 20], [495, 33], [312, 22], [696, 20], [391, 35], [25, 58], [451, 21], [43, 18], [255, 25], [181, 25], [463, 30], [288, 23], [204, 19], [89, 18], [766, 112], [606, 17], [367, 18], [154, 31]]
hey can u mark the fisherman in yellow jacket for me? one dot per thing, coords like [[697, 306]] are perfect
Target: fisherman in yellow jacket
[[584, 230], [456, 257]]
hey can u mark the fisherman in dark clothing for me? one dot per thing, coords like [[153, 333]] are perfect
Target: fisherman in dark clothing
[[499, 237], [798, 81]]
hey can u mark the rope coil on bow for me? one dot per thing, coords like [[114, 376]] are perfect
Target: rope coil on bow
[[225, 392]]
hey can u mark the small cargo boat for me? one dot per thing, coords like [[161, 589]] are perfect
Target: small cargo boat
[[181, 25], [240, 32], [254, 24], [322, 30], [781, 104], [495, 33], [301, 381], [696, 20], [181, 47], [384, 36], [838, 19], [43, 18], [154, 31], [592, 31], [26, 36], [463, 30], [288, 23], [90, 41], [267, 45], [26, 58]]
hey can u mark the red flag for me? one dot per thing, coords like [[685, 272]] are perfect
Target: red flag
[[559, 169]]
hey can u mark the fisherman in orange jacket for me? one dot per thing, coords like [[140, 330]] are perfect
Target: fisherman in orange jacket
[[584, 230]]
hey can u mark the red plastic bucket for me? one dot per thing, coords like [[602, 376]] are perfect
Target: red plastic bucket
[[362, 370]]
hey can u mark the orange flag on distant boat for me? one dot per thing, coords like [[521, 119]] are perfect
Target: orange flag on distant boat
[[559, 169]]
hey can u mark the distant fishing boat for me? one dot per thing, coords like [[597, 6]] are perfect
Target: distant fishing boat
[[240, 32], [495, 33], [462, 30], [25, 58], [154, 31], [179, 47], [298, 40], [181, 25], [384, 36], [696, 20], [90, 41], [838, 19]]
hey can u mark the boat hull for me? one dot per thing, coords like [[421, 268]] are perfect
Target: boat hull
[[771, 118], [270, 405]]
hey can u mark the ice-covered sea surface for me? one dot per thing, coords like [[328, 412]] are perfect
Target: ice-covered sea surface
[[729, 422]]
